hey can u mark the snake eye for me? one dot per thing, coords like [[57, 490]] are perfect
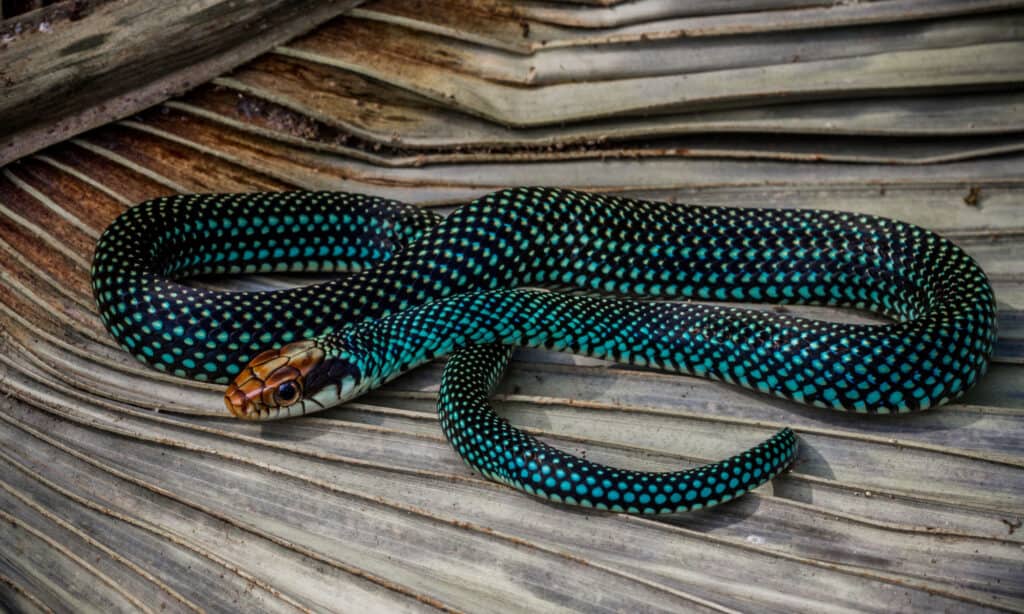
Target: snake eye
[[287, 392]]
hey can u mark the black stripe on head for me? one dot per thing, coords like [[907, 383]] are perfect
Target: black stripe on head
[[331, 371]]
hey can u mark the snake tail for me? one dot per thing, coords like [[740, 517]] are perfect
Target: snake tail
[[498, 450]]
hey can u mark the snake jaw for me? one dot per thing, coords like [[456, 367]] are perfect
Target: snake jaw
[[272, 384]]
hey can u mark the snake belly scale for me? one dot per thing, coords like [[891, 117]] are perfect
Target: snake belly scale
[[415, 286]]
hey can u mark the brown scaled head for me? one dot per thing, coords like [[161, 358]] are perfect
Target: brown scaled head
[[273, 382]]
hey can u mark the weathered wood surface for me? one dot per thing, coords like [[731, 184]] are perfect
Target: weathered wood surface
[[60, 78], [126, 489]]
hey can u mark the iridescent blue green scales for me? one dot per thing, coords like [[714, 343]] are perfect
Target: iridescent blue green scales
[[498, 450], [401, 260]]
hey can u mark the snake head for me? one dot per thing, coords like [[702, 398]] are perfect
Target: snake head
[[274, 384]]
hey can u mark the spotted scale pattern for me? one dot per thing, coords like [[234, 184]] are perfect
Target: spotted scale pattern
[[561, 239], [830, 365], [207, 335], [492, 446]]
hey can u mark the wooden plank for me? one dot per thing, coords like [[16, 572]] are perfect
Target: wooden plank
[[126, 56], [327, 106], [282, 124], [485, 23], [898, 73], [653, 57], [613, 13]]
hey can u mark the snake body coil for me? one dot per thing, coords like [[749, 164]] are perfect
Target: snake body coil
[[419, 287]]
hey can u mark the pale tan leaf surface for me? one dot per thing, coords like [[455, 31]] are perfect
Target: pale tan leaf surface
[[125, 489]]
